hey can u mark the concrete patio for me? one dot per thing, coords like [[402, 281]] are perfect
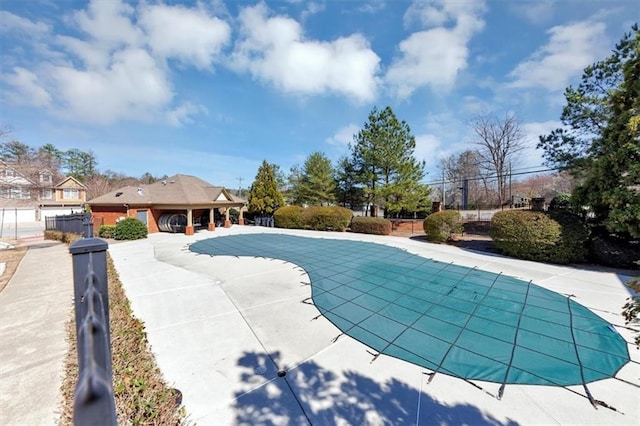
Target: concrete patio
[[222, 328]]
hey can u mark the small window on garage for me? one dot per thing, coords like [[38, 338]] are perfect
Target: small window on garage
[[142, 216]]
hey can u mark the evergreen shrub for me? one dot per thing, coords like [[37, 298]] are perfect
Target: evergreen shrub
[[614, 250], [441, 226], [371, 225], [556, 238], [329, 218], [561, 202], [106, 231], [130, 228], [289, 217]]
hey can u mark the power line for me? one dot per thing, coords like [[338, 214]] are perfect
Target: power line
[[439, 182]]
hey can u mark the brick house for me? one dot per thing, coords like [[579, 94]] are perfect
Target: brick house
[[180, 203], [29, 194]]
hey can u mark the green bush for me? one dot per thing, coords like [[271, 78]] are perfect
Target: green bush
[[612, 250], [440, 226], [289, 217], [130, 228], [106, 231], [329, 218], [555, 238], [371, 225], [561, 202]]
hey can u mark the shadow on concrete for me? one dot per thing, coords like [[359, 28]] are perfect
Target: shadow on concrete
[[309, 394]]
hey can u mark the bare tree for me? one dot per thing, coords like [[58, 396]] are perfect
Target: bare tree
[[466, 167], [498, 140]]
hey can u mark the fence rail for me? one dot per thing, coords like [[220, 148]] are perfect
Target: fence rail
[[94, 402], [76, 223]]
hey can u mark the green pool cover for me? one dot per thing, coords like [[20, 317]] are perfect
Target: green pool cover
[[449, 319]]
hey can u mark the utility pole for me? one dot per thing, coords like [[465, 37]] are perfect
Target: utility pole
[[443, 195], [240, 186], [510, 195]]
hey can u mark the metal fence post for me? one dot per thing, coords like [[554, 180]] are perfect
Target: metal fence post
[[94, 402], [87, 224]]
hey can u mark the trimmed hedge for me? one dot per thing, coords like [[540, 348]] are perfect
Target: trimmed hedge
[[371, 225], [289, 217], [130, 228], [440, 226], [330, 218], [106, 231], [556, 238]]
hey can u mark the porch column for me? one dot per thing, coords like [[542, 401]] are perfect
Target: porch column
[[212, 223], [189, 229], [240, 218], [227, 222]]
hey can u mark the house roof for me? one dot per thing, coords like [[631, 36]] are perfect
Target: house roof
[[76, 183], [176, 190]]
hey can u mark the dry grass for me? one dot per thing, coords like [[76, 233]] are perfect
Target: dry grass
[[141, 394], [11, 258]]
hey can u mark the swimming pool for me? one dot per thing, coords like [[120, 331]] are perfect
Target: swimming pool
[[449, 319]]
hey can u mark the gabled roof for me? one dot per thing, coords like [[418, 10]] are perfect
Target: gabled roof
[[19, 178], [76, 182], [177, 190]]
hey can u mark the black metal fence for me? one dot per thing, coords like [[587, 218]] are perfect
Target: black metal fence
[[94, 402], [76, 223]]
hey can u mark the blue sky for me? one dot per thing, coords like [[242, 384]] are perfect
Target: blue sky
[[212, 88]]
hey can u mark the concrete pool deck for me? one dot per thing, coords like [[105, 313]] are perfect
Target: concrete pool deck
[[223, 327]]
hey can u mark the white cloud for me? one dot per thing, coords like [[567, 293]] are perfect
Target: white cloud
[[312, 9], [28, 89], [274, 50], [112, 63], [569, 50], [436, 56], [11, 22], [343, 136], [108, 23], [427, 145], [372, 6], [182, 114], [195, 37], [133, 87], [536, 12]]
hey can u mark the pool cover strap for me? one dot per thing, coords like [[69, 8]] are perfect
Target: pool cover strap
[[460, 321]]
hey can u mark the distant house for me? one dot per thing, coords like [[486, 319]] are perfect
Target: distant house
[[29, 194], [180, 203]]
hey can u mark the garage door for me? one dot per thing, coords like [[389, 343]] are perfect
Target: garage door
[[58, 211], [14, 215]]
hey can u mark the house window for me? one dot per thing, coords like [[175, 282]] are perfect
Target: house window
[[45, 178], [70, 194], [20, 193], [47, 194], [7, 172]]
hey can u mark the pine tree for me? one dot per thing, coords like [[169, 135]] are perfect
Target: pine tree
[[264, 197], [382, 154], [317, 184], [602, 144]]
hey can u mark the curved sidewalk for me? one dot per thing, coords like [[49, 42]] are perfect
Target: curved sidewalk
[[34, 308]]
